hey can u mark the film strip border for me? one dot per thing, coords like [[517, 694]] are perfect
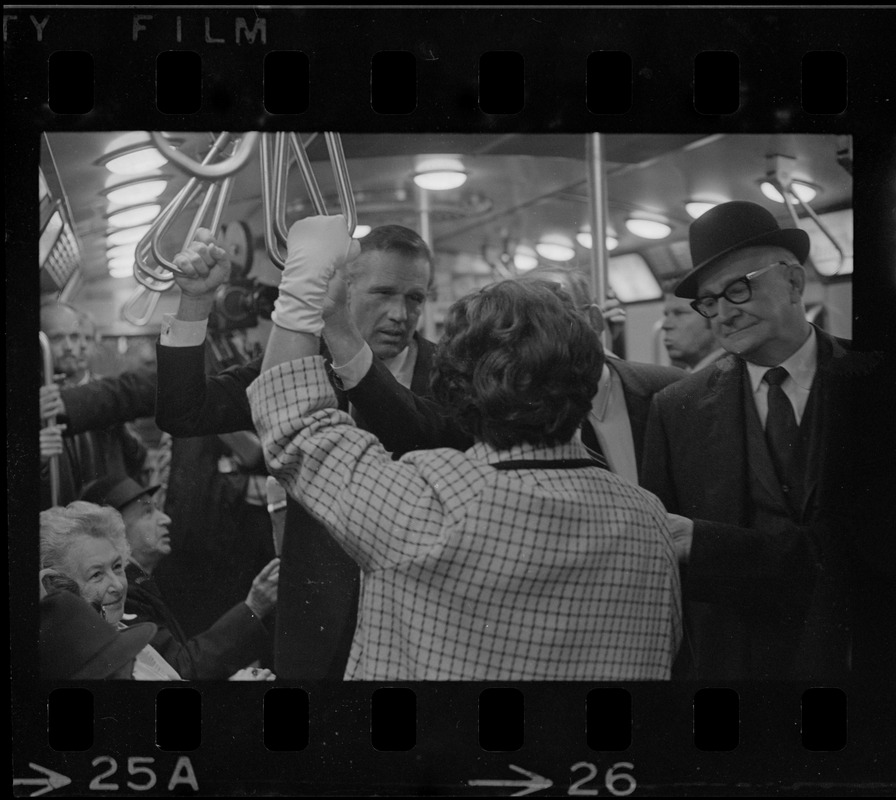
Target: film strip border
[[501, 81], [461, 738], [471, 70]]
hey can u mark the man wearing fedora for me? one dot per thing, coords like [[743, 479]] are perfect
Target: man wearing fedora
[[750, 451], [235, 640]]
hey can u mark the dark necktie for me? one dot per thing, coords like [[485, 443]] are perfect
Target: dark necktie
[[782, 433], [590, 440]]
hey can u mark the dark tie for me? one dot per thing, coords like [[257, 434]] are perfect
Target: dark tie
[[782, 433], [589, 439]]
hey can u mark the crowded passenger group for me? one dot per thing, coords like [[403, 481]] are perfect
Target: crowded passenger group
[[512, 502]]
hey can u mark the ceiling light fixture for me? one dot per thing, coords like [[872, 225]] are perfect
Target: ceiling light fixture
[[121, 267], [439, 173], [135, 215], [525, 258], [134, 162], [585, 239], [361, 231], [646, 227], [806, 192], [135, 192], [122, 251], [126, 235], [555, 247], [697, 208]]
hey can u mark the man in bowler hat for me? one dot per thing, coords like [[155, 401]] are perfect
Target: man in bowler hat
[[752, 452]]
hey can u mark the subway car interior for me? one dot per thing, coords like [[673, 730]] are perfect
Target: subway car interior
[[115, 208], [490, 206]]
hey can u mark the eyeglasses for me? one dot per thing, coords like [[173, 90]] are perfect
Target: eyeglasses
[[737, 292]]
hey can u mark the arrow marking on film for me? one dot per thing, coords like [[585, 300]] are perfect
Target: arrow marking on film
[[53, 780], [534, 782]]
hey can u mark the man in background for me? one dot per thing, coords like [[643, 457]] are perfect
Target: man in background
[[86, 454], [688, 336]]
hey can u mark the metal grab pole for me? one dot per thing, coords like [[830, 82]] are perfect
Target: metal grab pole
[[597, 207], [429, 323], [47, 355], [207, 171]]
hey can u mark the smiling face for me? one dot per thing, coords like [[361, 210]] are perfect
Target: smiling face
[[386, 294], [147, 531], [97, 566], [772, 324]]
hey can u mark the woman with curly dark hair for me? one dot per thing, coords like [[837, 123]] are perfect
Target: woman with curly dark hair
[[519, 559]]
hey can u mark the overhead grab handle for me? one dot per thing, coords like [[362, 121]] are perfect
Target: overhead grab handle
[[141, 305], [274, 172], [149, 258], [778, 173], [204, 171]]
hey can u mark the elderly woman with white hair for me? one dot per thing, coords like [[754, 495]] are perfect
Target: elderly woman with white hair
[[85, 545]]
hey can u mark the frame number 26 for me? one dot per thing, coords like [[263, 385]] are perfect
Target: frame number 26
[[618, 783]]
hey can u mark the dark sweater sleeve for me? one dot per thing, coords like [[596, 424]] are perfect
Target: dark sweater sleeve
[[400, 419], [235, 640], [110, 401], [191, 403]]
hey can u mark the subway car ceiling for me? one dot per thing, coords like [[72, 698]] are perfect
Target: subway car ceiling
[[521, 194]]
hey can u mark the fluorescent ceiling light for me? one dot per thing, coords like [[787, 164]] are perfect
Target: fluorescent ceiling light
[[126, 235], [648, 228], [122, 251], [525, 258], [127, 140], [697, 208], [585, 239], [137, 215], [803, 191], [121, 267], [440, 173], [136, 192], [134, 162], [555, 247]]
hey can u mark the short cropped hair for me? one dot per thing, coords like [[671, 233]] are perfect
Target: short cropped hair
[[60, 527], [517, 363], [397, 239]]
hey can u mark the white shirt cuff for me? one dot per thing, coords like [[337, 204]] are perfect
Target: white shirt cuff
[[182, 333], [352, 372]]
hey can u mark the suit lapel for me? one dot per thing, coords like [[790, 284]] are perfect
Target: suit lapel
[[422, 366], [722, 408]]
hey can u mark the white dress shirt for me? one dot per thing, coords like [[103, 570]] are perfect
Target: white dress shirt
[[800, 366]]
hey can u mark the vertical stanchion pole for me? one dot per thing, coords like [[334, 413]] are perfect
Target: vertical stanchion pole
[[47, 355], [597, 194], [429, 322]]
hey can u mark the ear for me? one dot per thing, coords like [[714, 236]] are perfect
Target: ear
[[596, 318], [797, 279], [45, 577]]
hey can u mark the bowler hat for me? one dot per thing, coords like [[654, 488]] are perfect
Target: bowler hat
[[734, 226], [76, 642], [116, 491]]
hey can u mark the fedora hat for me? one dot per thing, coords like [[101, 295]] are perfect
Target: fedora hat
[[734, 226], [75, 642], [116, 491]]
